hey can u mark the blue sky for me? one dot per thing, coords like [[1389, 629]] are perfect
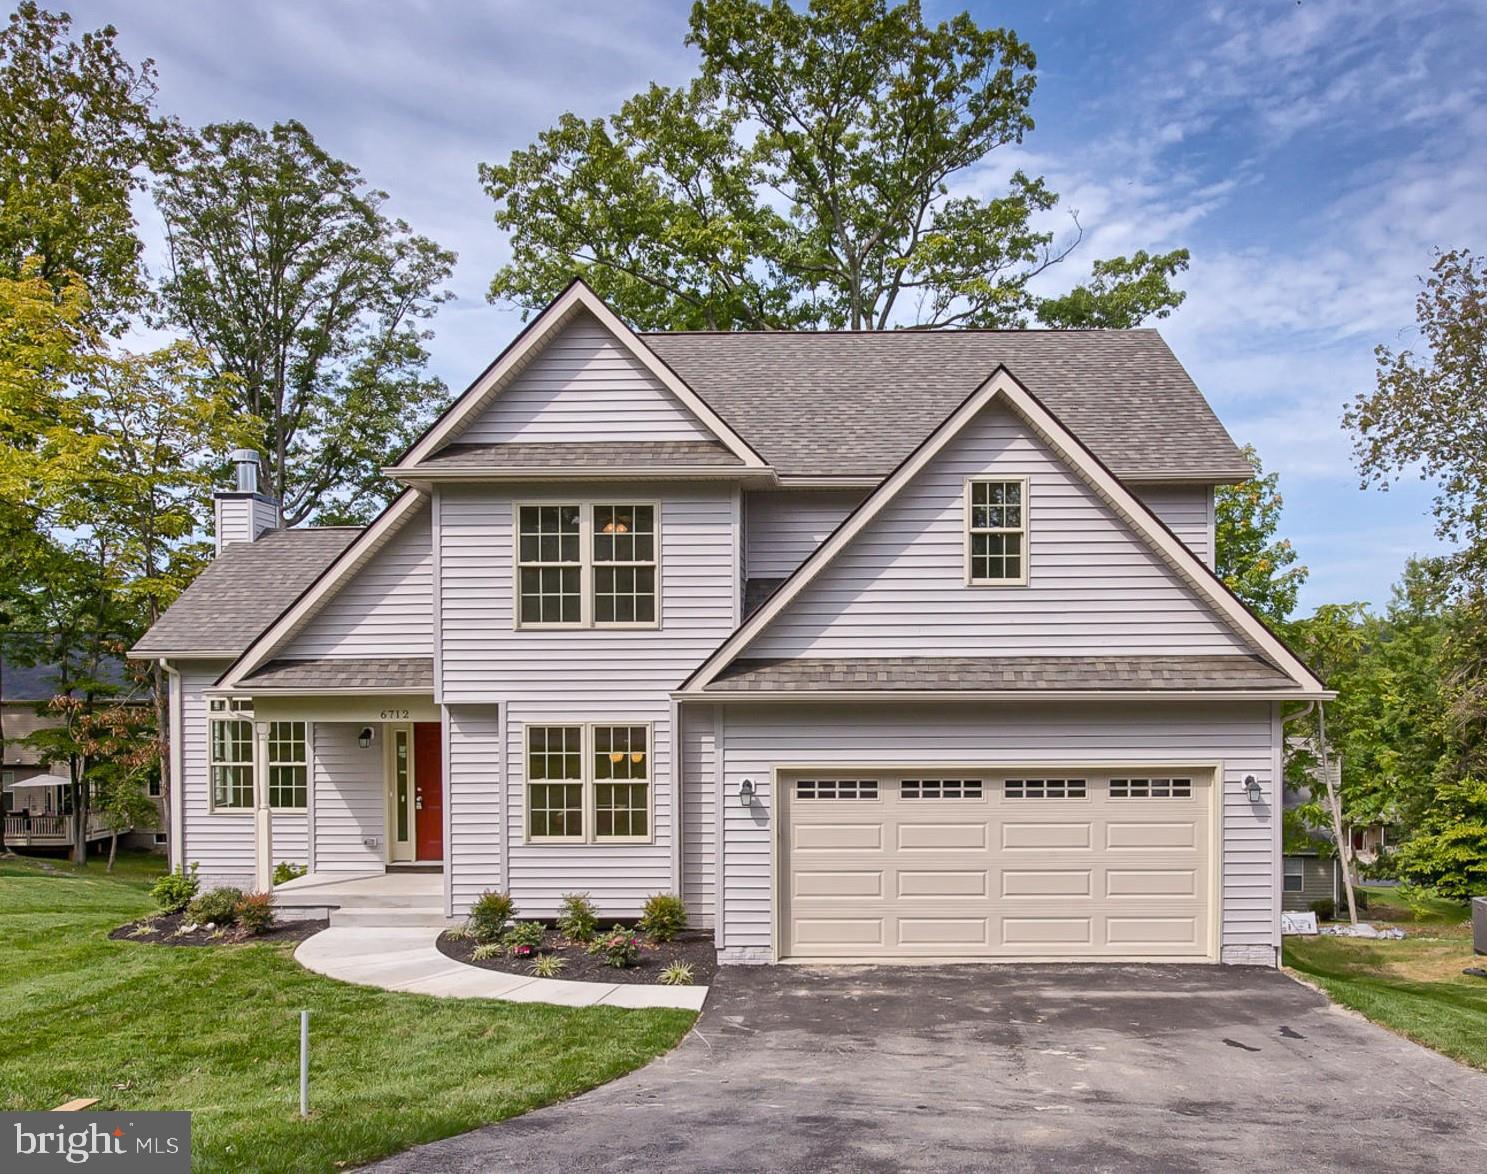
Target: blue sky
[[1310, 154]]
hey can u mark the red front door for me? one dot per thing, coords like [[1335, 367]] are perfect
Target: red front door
[[428, 778]]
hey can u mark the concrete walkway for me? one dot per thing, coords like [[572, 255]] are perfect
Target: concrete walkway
[[406, 959]]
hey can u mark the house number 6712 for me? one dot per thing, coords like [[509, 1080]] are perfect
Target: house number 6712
[[396, 715]]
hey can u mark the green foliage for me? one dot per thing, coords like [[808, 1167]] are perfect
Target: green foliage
[[1253, 563], [76, 134], [1325, 909], [524, 938], [1448, 852], [254, 913], [488, 950], [175, 890], [677, 974], [663, 917], [490, 915], [619, 948], [286, 270], [549, 965], [287, 871], [812, 175], [578, 921], [215, 906]]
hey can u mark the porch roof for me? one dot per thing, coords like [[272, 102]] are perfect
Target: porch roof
[[410, 674]]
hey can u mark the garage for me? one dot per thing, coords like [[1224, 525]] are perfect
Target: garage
[[1108, 864]]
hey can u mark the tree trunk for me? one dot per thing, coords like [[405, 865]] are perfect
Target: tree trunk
[[113, 850], [1334, 806]]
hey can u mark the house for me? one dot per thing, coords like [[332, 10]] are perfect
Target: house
[[36, 796], [872, 646], [1310, 877]]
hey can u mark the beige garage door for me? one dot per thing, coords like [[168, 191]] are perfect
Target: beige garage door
[[1074, 865]]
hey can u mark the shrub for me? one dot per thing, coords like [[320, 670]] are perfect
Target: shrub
[[490, 915], [548, 965], [288, 871], [175, 890], [579, 921], [489, 950], [215, 907], [255, 912], [677, 974], [524, 938], [664, 916], [1325, 909], [618, 948]]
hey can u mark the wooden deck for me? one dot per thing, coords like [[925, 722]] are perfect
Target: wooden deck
[[49, 831]]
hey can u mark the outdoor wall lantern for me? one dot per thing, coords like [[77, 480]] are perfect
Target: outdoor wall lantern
[[364, 739], [1252, 789], [746, 792]]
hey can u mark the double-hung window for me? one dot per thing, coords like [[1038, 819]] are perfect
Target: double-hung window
[[586, 565], [589, 783], [1295, 878], [231, 748], [996, 531]]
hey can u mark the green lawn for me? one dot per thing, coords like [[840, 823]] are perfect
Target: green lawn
[[1414, 986], [215, 1030], [1386, 904]]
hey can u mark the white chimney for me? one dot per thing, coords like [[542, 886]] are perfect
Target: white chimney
[[243, 513]]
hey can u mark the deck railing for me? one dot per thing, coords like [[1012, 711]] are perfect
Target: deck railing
[[48, 830]]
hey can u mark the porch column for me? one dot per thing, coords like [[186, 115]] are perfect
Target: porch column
[[263, 827]]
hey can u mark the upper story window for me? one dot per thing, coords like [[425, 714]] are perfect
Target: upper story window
[[996, 531], [586, 565]]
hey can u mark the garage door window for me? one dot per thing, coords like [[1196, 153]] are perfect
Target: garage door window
[[836, 789], [941, 789], [1044, 789], [1151, 788]]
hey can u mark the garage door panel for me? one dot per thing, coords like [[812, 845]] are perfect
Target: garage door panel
[[1052, 869]]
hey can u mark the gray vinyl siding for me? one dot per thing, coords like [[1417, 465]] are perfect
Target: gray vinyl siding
[[1237, 735], [782, 527], [584, 386], [221, 841], [1319, 883], [385, 609], [580, 675], [473, 781], [1188, 512], [699, 813], [1095, 587], [350, 805]]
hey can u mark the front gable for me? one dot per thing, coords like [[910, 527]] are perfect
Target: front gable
[[1093, 585]]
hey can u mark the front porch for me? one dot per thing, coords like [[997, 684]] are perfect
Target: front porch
[[398, 897]]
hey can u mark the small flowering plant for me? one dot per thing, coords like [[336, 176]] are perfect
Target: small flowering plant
[[524, 938], [619, 947]]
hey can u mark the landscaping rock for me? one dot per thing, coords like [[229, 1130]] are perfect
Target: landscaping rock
[[1364, 930]]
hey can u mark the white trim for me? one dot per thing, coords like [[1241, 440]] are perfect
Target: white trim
[[1004, 386], [176, 709], [390, 732], [720, 825], [436, 562], [578, 296], [388, 523], [1025, 558], [310, 728], [675, 795], [446, 742], [422, 475], [1277, 819]]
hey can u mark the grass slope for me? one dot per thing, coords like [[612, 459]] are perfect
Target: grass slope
[[215, 1030]]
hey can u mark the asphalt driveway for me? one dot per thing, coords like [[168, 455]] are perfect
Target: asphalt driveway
[[1008, 1068]]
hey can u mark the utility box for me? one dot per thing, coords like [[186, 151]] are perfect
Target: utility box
[[1479, 924]]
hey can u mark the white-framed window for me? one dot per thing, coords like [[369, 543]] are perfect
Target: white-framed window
[[161, 838], [996, 531], [153, 787], [589, 783], [1295, 878], [288, 766], [587, 564], [231, 760]]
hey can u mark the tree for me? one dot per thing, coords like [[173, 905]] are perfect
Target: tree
[[818, 172], [77, 133], [1449, 850], [1253, 563], [287, 273], [121, 742]]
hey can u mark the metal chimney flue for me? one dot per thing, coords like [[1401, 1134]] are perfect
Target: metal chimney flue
[[246, 462]]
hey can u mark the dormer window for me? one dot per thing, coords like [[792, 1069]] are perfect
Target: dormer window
[[996, 531], [587, 565]]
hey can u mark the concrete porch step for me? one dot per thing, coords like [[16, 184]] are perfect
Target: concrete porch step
[[353, 900], [388, 916]]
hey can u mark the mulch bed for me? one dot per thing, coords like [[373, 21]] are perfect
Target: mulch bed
[[164, 931], [693, 946]]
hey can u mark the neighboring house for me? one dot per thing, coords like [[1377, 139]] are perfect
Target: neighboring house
[[36, 796], [893, 645], [1310, 877]]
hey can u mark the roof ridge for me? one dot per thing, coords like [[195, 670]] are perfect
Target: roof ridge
[[909, 332]]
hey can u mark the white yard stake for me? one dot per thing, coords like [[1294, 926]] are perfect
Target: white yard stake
[[304, 1063]]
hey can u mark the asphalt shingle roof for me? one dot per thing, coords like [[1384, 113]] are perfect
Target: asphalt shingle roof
[[243, 591], [997, 673], [814, 403], [384, 672], [582, 454]]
